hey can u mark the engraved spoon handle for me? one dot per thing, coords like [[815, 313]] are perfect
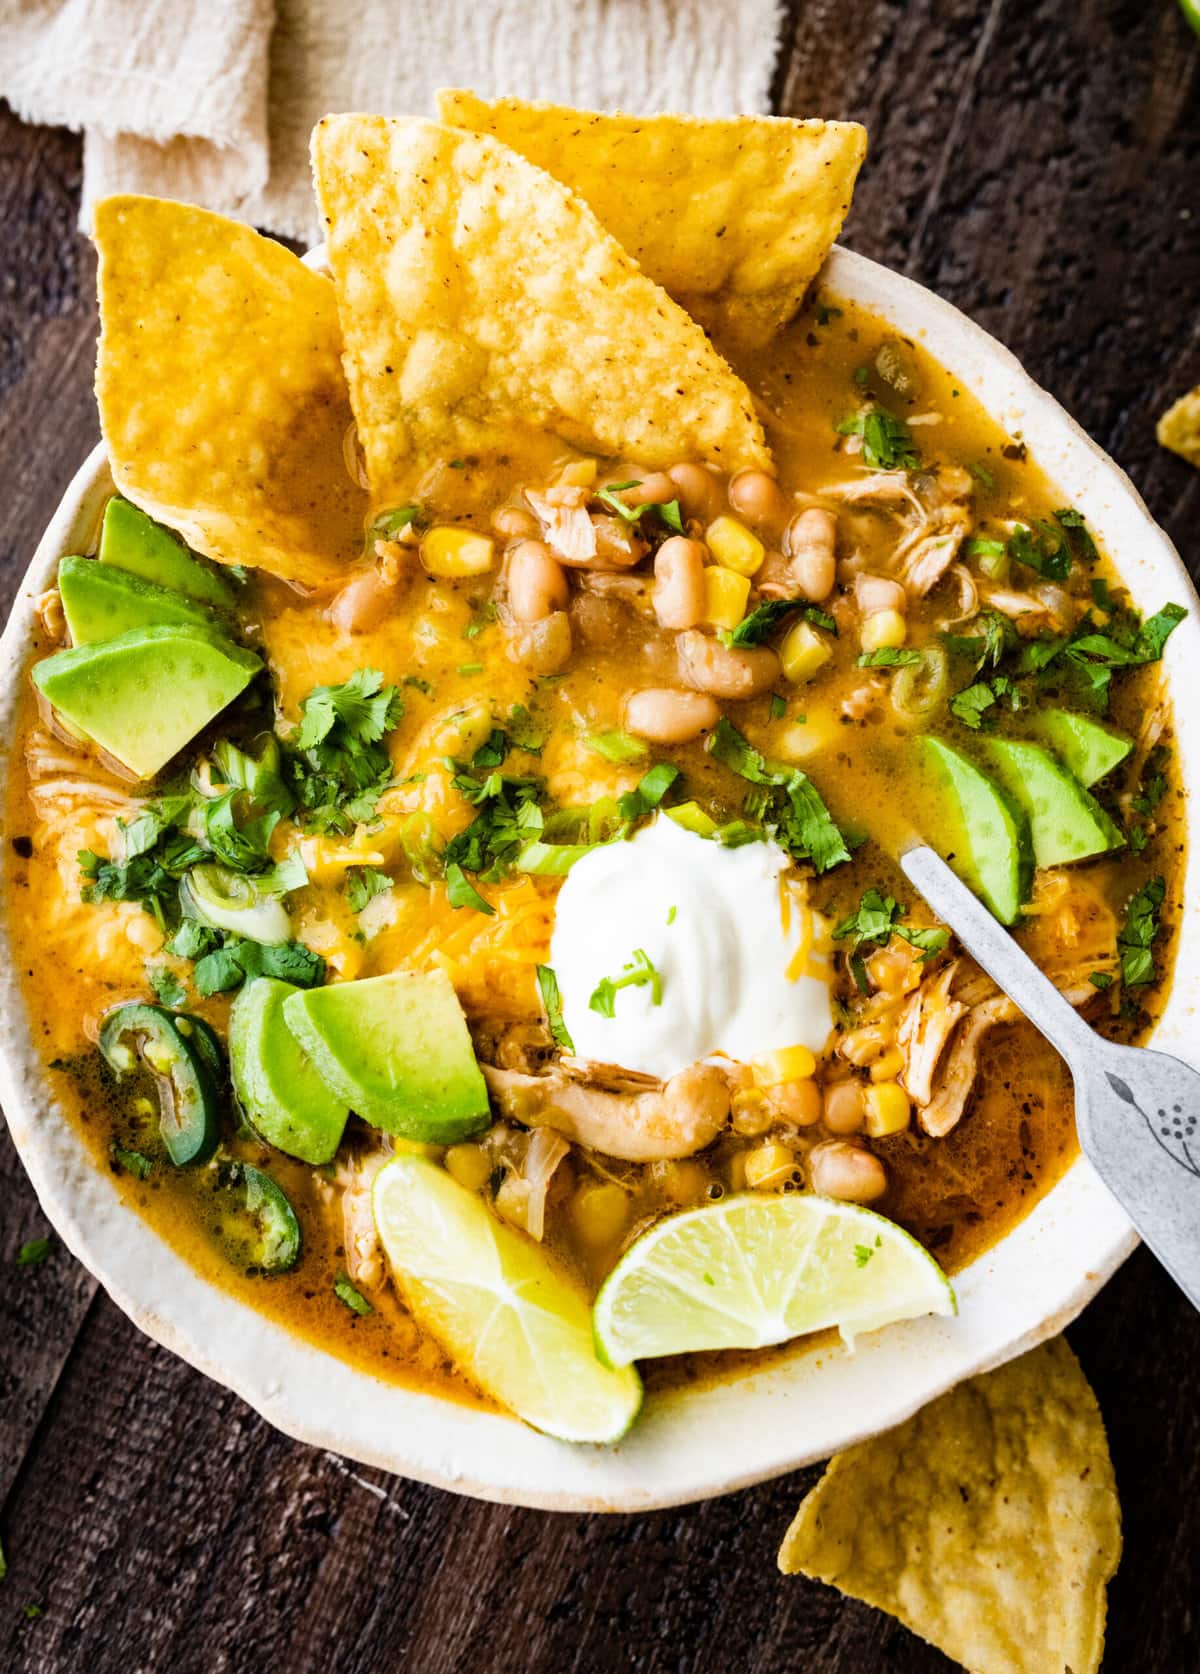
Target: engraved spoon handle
[[1137, 1112]]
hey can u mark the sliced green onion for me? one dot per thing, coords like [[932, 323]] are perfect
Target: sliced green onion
[[226, 900], [616, 746], [918, 689], [691, 816], [552, 860]]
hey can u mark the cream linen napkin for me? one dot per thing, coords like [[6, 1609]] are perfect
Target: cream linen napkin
[[212, 101]]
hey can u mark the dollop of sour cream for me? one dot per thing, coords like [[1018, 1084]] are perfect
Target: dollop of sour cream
[[710, 923]]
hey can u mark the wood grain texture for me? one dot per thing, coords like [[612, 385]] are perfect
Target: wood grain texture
[[1036, 162]]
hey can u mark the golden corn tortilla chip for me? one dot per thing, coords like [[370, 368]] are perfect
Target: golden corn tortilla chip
[[989, 1524], [222, 398], [1179, 427], [732, 215], [479, 299]]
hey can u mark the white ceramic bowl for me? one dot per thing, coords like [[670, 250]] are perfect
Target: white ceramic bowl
[[691, 1444]]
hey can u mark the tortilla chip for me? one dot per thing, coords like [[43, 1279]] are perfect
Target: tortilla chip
[[1179, 427], [221, 393], [479, 300], [733, 216], [989, 1523]]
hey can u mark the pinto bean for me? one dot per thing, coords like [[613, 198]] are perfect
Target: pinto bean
[[723, 672], [653, 490], [514, 524], [364, 602], [668, 715], [758, 498], [847, 1172], [809, 544], [536, 584], [542, 647], [679, 582], [698, 491], [876, 593], [844, 1109]]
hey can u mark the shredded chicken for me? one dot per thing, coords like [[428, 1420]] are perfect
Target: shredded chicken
[[881, 488], [674, 1120], [365, 1261], [566, 523], [928, 1022], [61, 776]]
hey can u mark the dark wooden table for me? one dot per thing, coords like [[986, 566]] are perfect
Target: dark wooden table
[[1037, 162]]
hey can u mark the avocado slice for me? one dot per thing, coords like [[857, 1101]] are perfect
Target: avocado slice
[[396, 1049], [1066, 822], [1089, 750], [985, 835], [274, 1078], [129, 540], [144, 694], [100, 602]]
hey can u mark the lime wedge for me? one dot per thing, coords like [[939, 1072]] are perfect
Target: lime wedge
[[509, 1318], [756, 1270]]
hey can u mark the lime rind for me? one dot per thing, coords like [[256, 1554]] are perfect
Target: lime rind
[[513, 1322], [753, 1271]]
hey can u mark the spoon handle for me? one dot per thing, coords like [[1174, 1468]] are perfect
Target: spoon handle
[[1137, 1112], [991, 946]]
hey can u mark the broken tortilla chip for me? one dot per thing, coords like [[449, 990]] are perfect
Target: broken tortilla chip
[[989, 1524], [732, 215], [1179, 427], [222, 398], [480, 301]]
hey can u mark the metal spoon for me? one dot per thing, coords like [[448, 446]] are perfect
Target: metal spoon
[[1137, 1112]]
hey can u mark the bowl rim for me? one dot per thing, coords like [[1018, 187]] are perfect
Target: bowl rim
[[693, 1443]]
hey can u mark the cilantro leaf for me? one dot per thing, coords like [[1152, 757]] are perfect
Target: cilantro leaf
[[972, 704], [1137, 935], [795, 811], [166, 985], [887, 441], [461, 893], [235, 961], [639, 972], [890, 656], [133, 1162], [363, 884], [33, 1252], [754, 629], [552, 1000], [874, 922], [339, 768]]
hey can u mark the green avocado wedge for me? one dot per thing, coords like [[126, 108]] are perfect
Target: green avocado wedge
[[980, 830], [147, 693], [1089, 750], [277, 1086], [1066, 822], [397, 1050], [129, 540], [100, 602]]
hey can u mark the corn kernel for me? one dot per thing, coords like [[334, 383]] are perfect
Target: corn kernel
[[450, 552], [751, 1113], [883, 630], [578, 473], [469, 1165], [599, 1212], [768, 1166], [888, 1109], [683, 1181], [725, 595], [804, 652], [734, 547], [789, 1063], [888, 1066]]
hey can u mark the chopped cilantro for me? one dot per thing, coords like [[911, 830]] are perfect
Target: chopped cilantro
[[389, 523], [492, 751], [887, 442], [1137, 935], [166, 985], [363, 884], [754, 629], [1153, 786], [235, 961], [33, 1252], [638, 973], [524, 732], [470, 668], [827, 311], [667, 510], [552, 1000], [133, 1162], [778, 707], [340, 768], [648, 792], [508, 817], [792, 808], [352, 1297], [1100, 979], [874, 922], [419, 685], [461, 893], [890, 656]]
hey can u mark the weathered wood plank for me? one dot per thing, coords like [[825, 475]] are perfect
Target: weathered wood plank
[[1031, 161]]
